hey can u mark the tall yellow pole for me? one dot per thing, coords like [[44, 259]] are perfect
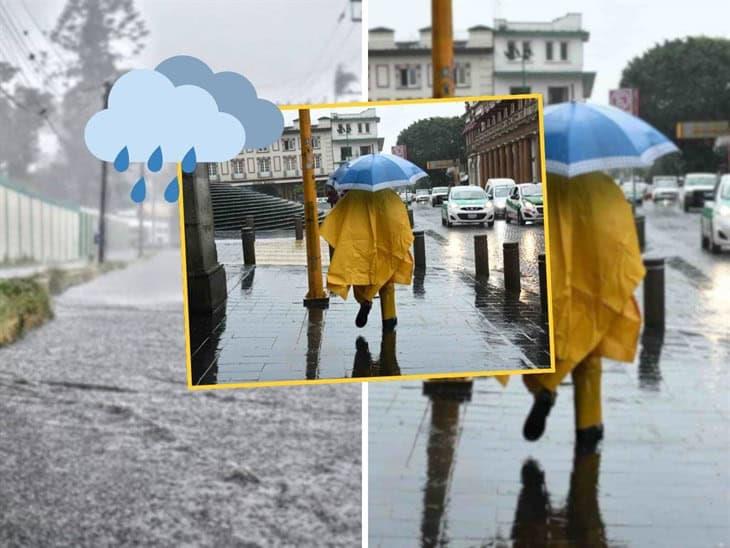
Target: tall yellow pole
[[442, 48], [316, 297]]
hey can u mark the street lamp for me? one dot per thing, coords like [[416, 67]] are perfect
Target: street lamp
[[525, 55]]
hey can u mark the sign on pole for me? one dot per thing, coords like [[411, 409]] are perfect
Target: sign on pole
[[441, 164], [399, 150], [703, 130], [627, 99]]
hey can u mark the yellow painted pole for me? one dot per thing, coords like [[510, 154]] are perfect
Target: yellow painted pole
[[442, 48], [316, 296]]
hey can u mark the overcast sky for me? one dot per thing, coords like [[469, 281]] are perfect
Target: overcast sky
[[288, 48], [393, 118], [619, 29]]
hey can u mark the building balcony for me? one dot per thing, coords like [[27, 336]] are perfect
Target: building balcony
[[265, 174], [291, 173]]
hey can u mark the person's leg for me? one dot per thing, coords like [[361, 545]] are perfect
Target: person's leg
[[587, 403], [543, 387], [387, 306], [361, 296]]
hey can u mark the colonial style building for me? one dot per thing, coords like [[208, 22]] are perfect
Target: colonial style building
[[335, 139], [502, 140], [511, 57], [403, 70]]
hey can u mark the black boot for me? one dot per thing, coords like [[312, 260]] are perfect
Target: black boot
[[587, 439], [535, 422], [362, 316], [389, 325]]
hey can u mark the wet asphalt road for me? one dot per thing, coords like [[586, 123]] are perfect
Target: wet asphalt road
[[102, 445]]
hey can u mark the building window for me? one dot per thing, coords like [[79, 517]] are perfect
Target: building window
[[290, 163], [563, 51], [511, 50], [365, 149], [359, 127], [429, 77], [408, 76], [462, 75], [317, 161], [277, 163], [526, 50], [262, 149], [382, 76], [239, 167], [213, 170], [517, 90], [289, 143], [558, 94], [264, 164], [367, 127], [316, 141], [251, 165], [275, 146], [549, 51], [345, 153]]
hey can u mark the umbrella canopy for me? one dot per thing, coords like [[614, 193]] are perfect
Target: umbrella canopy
[[583, 137], [373, 172]]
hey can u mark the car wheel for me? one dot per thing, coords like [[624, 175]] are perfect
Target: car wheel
[[705, 242], [490, 224], [520, 219], [449, 224], [482, 224], [443, 221], [686, 205], [714, 248], [506, 217]]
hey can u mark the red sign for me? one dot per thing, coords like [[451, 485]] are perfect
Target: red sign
[[399, 150], [627, 99]]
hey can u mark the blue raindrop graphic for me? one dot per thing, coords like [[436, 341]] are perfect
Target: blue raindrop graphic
[[189, 161], [155, 161], [172, 191], [139, 191], [121, 162]]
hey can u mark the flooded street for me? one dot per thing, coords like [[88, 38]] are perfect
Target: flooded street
[[449, 472]]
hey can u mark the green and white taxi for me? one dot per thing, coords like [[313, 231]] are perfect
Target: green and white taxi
[[524, 203], [715, 222], [467, 205]]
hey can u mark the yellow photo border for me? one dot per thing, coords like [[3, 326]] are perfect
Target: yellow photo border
[[432, 376]]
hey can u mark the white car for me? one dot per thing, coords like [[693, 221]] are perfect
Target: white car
[[422, 196], [697, 188], [715, 221], [665, 188], [497, 191], [438, 195], [467, 205]]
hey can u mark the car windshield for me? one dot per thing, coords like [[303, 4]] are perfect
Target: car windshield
[[532, 190], [501, 191], [440, 190], [666, 183], [421, 191], [467, 194], [701, 179]]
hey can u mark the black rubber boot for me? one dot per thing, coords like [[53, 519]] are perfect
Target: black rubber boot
[[535, 422], [362, 316], [587, 439], [389, 325]]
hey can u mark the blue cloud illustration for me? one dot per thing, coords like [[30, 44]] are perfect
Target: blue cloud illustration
[[234, 94], [150, 119]]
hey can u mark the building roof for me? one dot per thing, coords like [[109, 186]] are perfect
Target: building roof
[[479, 27], [381, 29], [416, 48]]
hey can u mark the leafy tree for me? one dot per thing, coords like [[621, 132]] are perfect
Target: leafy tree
[[683, 80], [99, 35], [437, 138]]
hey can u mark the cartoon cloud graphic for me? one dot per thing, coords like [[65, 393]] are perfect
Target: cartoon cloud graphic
[[234, 94]]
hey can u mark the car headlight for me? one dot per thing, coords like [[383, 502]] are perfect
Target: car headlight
[[724, 211], [489, 205], [529, 205], [453, 207]]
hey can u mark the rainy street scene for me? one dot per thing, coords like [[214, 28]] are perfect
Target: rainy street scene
[[626, 442], [101, 442], [446, 262]]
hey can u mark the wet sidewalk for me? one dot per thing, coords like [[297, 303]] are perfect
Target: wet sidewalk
[[448, 322]]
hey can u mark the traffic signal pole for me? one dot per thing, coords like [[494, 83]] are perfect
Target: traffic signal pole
[[442, 48]]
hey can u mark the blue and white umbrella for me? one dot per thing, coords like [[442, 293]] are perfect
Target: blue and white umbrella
[[584, 137], [373, 172]]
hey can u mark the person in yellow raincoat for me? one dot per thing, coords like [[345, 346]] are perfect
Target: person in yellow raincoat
[[595, 266], [372, 238]]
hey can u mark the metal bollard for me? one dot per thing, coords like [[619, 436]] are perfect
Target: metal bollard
[[640, 231], [542, 271], [511, 255], [249, 221], [481, 255], [248, 237], [654, 293], [419, 249], [410, 215], [298, 228]]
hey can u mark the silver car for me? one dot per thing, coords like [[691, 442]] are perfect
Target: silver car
[[497, 192], [697, 188]]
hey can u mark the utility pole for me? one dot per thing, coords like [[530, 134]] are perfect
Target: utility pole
[[442, 48], [102, 200], [316, 297]]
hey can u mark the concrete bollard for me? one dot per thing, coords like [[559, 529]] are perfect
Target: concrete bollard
[[511, 255], [654, 293], [410, 215], [481, 255], [248, 237], [419, 249], [640, 230], [249, 221], [542, 271], [298, 228]]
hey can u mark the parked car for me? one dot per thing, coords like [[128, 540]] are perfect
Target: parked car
[[438, 195], [666, 187], [422, 195], [467, 205], [634, 191], [698, 187], [497, 191], [524, 203], [715, 221]]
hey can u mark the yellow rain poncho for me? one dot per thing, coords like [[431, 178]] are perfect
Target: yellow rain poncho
[[372, 237], [595, 266]]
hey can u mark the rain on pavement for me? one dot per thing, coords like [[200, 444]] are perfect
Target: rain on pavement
[[449, 472], [448, 321]]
